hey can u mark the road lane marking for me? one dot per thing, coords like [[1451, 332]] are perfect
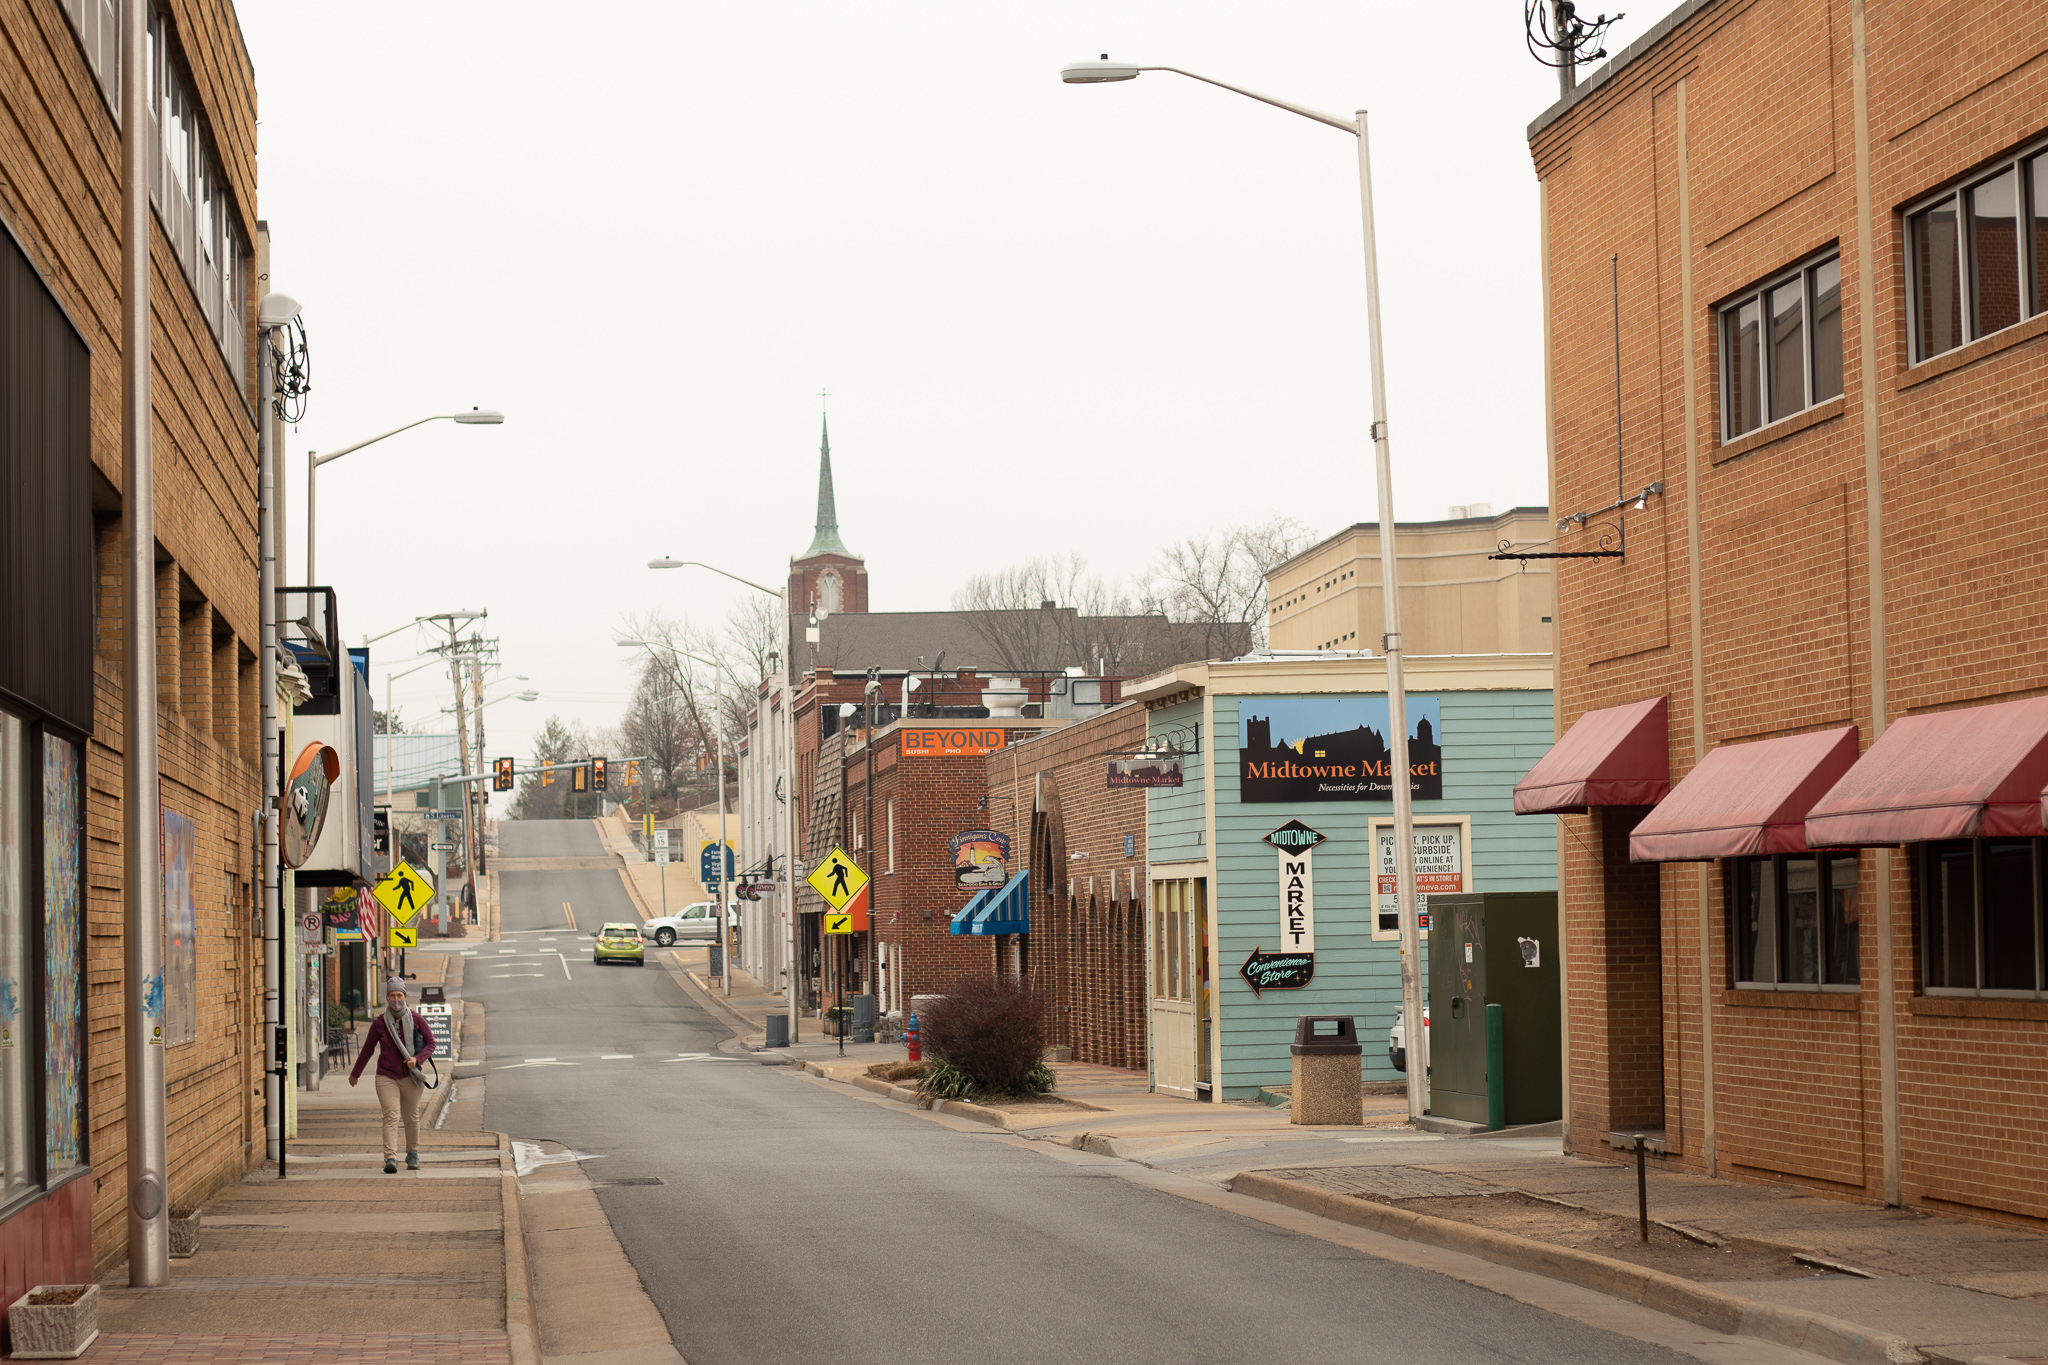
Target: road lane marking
[[569, 915], [699, 1057], [508, 950], [615, 1056], [469, 952], [538, 1061], [515, 976]]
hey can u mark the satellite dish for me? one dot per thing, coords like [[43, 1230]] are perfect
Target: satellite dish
[[306, 794]]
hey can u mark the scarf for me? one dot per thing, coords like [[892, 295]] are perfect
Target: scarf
[[407, 1041]]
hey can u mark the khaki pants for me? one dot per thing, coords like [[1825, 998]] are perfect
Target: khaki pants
[[402, 1101]]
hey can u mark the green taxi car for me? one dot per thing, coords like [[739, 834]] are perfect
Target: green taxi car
[[619, 943]]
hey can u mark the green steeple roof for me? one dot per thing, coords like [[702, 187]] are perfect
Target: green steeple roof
[[826, 541]]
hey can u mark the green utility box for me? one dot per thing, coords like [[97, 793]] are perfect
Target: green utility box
[[1495, 948]]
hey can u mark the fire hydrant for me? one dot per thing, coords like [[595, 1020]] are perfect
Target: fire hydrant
[[910, 1039]]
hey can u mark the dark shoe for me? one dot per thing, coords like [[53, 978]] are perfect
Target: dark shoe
[[412, 1161], [390, 1166]]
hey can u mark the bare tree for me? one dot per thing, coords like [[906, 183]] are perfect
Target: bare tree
[[1217, 583], [1048, 614]]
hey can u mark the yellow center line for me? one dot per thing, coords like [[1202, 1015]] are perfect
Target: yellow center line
[[568, 914]]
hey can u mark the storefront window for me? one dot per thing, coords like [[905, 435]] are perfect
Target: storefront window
[[1795, 922], [63, 990], [1980, 916], [17, 1153]]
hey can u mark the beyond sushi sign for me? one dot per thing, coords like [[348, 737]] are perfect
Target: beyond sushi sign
[[1334, 749]]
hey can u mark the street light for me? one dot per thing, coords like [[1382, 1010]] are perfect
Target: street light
[[788, 774], [1105, 71], [722, 862], [475, 417]]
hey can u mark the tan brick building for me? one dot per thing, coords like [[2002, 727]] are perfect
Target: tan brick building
[[62, 1178], [1824, 230], [1454, 599]]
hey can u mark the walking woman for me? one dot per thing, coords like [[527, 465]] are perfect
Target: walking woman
[[402, 1040]]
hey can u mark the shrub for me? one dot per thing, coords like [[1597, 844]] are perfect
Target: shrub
[[992, 1033]]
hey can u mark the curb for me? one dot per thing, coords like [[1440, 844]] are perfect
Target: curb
[[522, 1330], [1713, 1309], [964, 1109], [712, 996]]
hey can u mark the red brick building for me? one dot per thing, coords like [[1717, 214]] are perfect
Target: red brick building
[[1083, 844], [1824, 232]]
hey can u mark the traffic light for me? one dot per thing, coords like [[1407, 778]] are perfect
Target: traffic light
[[501, 779], [547, 779], [597, 773], [582, 783]]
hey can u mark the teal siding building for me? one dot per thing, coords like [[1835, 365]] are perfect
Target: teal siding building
[[1267, 741]]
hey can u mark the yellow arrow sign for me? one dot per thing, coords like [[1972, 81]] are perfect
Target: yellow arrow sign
[[839, 924], [837, 880], [405, 892], [403, 936]]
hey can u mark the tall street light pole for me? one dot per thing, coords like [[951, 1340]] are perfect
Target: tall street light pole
[[724, 860], [475, 417], [149, 1244], [788, 762], [1105, 71]]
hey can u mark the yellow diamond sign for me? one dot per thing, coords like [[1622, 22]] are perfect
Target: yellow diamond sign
[[405, 892], [837, 879]]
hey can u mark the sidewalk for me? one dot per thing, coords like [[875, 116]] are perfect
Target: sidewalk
[[339, 1261]]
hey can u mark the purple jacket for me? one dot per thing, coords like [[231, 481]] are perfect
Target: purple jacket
[[390, 1056]]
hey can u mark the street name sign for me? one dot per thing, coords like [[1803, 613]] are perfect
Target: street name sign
[[404, 892], [837, 879], [444, 815]]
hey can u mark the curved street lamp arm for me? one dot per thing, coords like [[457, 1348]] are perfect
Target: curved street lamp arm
[[1348, 125], [699, 564], [319, 459]]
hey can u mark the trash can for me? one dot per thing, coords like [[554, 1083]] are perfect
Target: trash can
[[717, 967], [778, 1030], [863, 1018], [1327, 1063]]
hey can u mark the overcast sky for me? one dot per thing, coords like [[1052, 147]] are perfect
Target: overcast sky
[[1052, 318]]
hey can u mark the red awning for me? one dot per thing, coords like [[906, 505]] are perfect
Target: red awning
[[1744, 800], [1614, 757], [1943, 775]]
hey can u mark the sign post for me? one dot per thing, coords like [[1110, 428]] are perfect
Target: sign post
[[661, 861], [841, 882]]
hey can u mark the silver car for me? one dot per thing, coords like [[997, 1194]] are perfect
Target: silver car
[[692, 924]]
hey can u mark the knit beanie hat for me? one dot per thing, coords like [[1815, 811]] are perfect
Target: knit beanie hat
[[395, 984]]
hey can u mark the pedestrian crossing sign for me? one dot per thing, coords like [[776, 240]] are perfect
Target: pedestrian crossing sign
[[405, 892], [837, 879], [404, 936], [839, 924]]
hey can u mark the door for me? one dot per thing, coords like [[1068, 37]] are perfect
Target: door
[[1174, 973]]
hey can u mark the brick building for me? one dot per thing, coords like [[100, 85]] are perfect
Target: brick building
[[1082, 842], [1824, 232], [63, 1183]]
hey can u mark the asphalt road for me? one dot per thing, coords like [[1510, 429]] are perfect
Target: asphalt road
[[795, 1224]]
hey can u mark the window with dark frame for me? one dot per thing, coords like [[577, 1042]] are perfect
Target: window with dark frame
[[1976, 255], [1781, 346], [1795, 922], [1980, 917]]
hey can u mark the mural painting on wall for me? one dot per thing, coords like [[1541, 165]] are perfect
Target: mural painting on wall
[[980, 858], [181, 930], [1152, 770], [1312, 748]]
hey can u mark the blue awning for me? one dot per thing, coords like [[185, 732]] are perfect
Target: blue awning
[[1004, 909]]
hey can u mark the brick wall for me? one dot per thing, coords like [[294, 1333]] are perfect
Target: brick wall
[[1706, 164], [1087, 940], [60, 197]]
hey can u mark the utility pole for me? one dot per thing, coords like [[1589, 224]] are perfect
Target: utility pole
[[476, 687]]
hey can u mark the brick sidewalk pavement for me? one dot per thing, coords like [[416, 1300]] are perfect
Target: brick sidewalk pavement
[[240, 1348]]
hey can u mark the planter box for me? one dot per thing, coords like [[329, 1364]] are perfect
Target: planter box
[[54, 1331], [184, 1232]]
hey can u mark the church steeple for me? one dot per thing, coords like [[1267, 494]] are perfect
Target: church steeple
[[826, 541]]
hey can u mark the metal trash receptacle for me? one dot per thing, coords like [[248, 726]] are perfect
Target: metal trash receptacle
[[778, 1031], [1328, 1060], [863, 1018]]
